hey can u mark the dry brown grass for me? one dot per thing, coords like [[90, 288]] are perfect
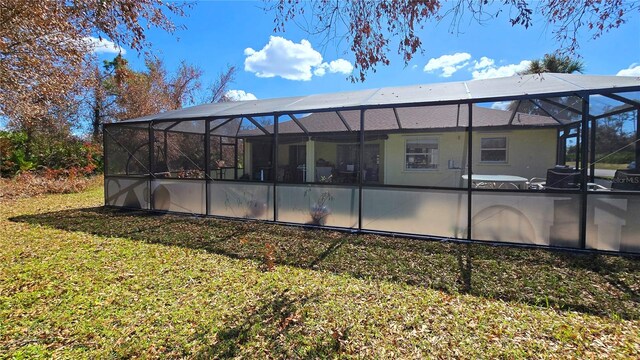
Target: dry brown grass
[[30, 184]]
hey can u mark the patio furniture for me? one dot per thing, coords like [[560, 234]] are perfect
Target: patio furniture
[[323, 173], [563, 178], [626, 180], [497, 181], [537, 183], [347, 176]]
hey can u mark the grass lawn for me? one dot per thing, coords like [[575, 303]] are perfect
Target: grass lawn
[[607, 166], [81, 281]]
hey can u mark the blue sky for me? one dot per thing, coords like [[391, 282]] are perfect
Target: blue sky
[[241, 33]]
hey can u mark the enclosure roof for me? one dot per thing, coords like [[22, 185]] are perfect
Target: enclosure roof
[[423, 117], [518, 86]]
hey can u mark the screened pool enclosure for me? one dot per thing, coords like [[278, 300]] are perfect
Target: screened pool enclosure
[[542, 160]]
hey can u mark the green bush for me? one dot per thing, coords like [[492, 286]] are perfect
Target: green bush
[[13, 156], [43, 153], [623, 157]]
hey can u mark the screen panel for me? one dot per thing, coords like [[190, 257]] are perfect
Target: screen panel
[[294, 149], [255, 157], [186, 196], [616, 148], [127, 192], [613, 222], [526, 218], [126, 150], [531, 144], [318, 205], [241, 200], [178, 155], [421, 146], [415, 211]]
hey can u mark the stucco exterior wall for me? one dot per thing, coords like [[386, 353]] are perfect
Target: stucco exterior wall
[[327, 151], [529, 154]]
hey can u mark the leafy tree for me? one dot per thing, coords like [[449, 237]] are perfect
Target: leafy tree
[[154, 90], [139, 93], [370, 25], [44, 46], [615, 137]]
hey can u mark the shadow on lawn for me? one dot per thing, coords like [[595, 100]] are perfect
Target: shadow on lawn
[[276, 320], [590, 283]]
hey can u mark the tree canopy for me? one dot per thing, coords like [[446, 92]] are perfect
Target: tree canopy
[[44, 46], [555, 64], [372, 26]]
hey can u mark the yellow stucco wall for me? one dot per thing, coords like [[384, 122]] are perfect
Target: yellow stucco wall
[[327, 151], [529, 154]]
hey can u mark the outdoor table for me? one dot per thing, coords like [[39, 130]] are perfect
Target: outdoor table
[[497, 181]]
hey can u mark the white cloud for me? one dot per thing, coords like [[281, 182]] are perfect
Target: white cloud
[[632, 70], [284, 58], [483, 68], [291, 61], [320, 71], [483, 63], [340, 66], [104, 46], [239, 95], [336, 66], [501, 105], [448, 64], [491, 71]]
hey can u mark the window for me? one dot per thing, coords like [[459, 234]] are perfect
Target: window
[[493, 149], [421, 154]]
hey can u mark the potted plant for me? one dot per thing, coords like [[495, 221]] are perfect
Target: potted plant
[[319, 210], [256, 209]]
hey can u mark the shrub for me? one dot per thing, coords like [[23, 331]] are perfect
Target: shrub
[[54, 157], [13, 155]]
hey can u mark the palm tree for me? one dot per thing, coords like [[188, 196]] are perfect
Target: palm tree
[[551, 64], [554, 64]]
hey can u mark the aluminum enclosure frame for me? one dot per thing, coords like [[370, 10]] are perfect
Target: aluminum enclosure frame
[[586, 157]]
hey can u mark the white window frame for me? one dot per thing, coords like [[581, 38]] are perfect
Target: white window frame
[[505, 148], [434, 157]]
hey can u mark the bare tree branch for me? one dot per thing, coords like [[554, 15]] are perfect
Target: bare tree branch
[[370, 26]]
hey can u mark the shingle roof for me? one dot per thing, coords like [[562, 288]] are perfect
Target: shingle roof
[[424, 117]]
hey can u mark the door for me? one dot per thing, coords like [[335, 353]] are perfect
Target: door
[[372, 163], [261, 154]]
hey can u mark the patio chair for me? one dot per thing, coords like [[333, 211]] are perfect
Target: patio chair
[[324, 173], [540, 184], [626, 180], [559, 178], [536, 183]]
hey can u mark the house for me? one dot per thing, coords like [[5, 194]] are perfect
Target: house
[[535, 144], [415, 146]]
